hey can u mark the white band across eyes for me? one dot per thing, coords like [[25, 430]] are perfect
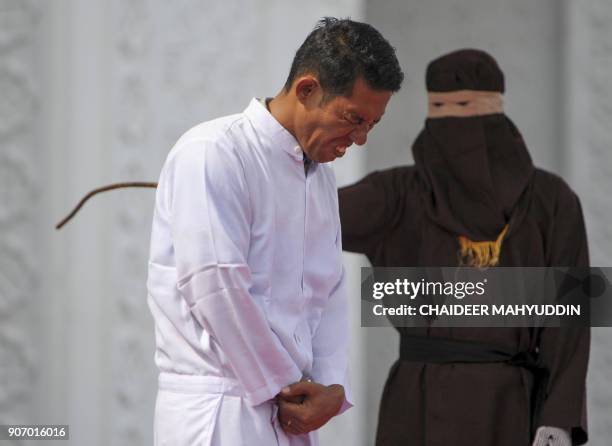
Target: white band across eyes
[[464, 103]]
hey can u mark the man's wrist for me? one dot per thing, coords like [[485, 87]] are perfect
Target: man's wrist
[[337, 391]]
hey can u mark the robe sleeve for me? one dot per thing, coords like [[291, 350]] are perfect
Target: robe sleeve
[[209, 207], [367, 208], [330, 341], [565, 351]]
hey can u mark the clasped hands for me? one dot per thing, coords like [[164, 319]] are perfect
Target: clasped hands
[[305, 406]]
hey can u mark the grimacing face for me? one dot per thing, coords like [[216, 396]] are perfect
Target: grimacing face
[[326, 130]]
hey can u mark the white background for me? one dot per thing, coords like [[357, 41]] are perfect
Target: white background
[[97, 91]]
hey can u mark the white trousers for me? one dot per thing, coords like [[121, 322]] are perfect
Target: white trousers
[[196, 410]]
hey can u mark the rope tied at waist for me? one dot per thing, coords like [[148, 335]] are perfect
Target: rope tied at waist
[[449, 351]]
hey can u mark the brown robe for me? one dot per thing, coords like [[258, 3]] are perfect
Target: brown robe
[[473, 404], [472, 177]]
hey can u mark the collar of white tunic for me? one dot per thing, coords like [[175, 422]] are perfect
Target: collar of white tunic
[[271, 130]]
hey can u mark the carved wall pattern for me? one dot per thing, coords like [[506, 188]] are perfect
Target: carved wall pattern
[[176, 64], [209, 62], [131, 350], [19, 191]]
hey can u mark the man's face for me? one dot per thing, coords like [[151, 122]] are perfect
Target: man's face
[[325, 130]]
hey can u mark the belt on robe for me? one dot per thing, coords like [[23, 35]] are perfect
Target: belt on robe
[[448, 351]]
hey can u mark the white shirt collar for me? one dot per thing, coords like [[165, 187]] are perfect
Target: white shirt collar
[[273, 132]]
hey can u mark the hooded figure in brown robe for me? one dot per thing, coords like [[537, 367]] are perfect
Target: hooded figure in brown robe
[[473, 198]]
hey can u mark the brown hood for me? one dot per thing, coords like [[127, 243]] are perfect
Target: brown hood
[[472, 170]]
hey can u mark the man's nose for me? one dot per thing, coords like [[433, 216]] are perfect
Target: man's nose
[[359, 136]]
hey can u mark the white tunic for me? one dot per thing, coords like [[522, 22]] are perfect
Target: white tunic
[[246, 284]]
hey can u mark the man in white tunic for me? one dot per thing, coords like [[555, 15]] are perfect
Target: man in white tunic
[[246, 284]]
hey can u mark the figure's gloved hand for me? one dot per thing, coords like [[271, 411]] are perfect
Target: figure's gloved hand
[[552, 436]]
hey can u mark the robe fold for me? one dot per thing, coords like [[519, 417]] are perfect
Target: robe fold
[[467, 404]]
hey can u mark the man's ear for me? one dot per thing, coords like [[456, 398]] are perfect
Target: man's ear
[[307, 87]]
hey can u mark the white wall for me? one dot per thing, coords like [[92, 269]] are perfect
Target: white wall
[[98, 91], [587, 140]]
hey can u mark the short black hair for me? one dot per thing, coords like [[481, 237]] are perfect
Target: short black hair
[[339, 51]]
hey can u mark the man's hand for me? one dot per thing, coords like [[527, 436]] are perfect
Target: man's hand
[[306, 406]]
